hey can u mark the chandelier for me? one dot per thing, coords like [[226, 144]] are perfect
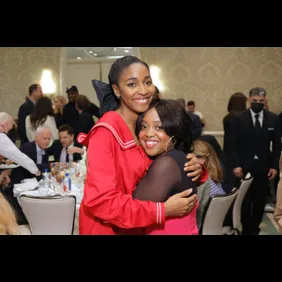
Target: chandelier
[[98, 51]]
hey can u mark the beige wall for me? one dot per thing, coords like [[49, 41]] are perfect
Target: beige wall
[[210, 75], [19, 68], [207, 75]]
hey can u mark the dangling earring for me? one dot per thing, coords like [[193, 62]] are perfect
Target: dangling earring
[[170, 139]]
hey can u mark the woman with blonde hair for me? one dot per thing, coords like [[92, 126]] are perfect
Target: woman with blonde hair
[[58, 104], [8, 222], [212, 187], [207, 156]]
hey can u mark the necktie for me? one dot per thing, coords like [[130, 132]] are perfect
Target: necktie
[[63, 157], [257, 124]]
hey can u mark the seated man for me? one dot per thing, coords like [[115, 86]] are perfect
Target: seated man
[[66, 149], [36, 150]]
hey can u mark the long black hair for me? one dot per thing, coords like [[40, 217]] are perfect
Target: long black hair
[[42, 109], [175, 121]]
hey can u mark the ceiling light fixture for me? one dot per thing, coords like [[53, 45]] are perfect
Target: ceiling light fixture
[[98, 51]]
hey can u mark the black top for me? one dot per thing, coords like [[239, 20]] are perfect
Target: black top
[[71, 115], [24, 110], [196, 125], [58, 119], [84, 123], [164, 178], [227, 120], [280, 123]]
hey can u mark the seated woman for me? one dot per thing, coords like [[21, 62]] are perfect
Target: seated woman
[[162, 132], [212, 187], [229, 181]]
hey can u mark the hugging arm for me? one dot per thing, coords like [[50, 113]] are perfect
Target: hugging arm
[[104, 199], [157, 185]]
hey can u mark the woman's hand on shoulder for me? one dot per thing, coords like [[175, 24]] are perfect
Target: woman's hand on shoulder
[[193, 167]]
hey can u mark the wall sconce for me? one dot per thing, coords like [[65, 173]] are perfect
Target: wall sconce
[[155, 71], [47, 83]]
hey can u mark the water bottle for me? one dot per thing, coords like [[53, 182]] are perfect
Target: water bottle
[[46, 178], [67, 183]]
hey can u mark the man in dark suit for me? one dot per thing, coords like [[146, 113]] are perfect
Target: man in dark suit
[[253, 131], [36, 150], [66, 149], [196, 125], [35, 92], [70, 113]]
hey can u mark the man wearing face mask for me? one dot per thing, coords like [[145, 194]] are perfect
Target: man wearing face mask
[[253, 131]]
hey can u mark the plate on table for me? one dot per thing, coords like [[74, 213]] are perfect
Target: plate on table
[[8, 166]]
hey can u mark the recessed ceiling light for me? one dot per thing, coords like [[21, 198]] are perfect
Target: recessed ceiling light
[[95, 54], [79, 58], [91, 52], [126, 51]]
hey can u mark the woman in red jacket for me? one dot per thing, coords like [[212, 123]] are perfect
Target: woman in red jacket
[[116, 161]]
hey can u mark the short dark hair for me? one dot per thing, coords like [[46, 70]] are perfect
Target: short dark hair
[[191, 103], [66, 127], [175, 121], [72, 89], [82, 102], [120, 65], [257, 91], [31, 88]]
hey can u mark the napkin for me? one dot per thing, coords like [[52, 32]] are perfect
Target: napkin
[[26, 185]]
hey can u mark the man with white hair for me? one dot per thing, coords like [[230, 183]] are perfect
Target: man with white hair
[[9, 150], [36, 150]]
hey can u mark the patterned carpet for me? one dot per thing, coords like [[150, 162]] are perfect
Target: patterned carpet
[[268, 225]]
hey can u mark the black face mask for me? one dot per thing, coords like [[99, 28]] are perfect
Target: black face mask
[[257, 107]]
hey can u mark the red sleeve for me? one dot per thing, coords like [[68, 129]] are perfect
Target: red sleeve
[[204, 176], [101, 195]]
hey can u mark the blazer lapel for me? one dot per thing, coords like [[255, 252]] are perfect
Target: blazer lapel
[[250, 120], [34, 152], [265, 120]]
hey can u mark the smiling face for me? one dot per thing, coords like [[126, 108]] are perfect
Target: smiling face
[[152, 136], [135, 88]]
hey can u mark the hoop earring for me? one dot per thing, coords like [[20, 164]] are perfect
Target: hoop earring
[[170, 139]]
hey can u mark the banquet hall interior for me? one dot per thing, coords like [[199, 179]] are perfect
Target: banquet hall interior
[[203, 77]]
